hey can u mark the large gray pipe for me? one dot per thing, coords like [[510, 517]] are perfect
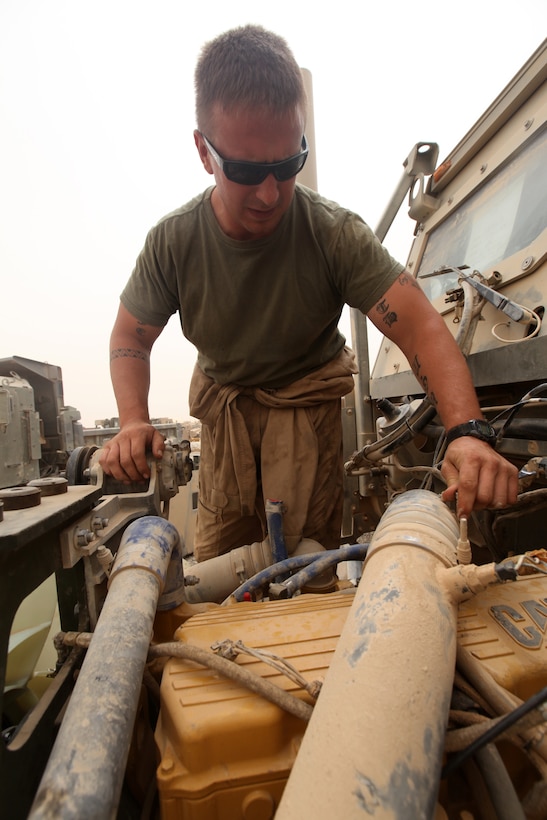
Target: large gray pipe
[[84, 775], [215, 579], [374, 744]]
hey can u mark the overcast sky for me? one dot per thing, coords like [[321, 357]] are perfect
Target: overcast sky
[[96, 121]]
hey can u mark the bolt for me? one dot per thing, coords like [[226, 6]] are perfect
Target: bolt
[[527, 263], [528, 124], [98, 523], [83, 538], [483, 167]]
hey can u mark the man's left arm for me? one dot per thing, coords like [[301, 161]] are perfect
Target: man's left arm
[[480, 476]]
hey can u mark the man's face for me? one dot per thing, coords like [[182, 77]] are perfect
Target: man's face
[[251, 211]]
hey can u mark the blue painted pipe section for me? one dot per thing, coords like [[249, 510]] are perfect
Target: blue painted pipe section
[[147, 544], [84, 775], [173, 591], [274, 520], [355, 552]]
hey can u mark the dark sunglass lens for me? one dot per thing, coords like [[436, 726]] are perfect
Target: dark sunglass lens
[[244, 174], [290, 169], [250, 173]]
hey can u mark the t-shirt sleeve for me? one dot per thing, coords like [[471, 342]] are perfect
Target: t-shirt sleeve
[[150, 294], [365, 267]]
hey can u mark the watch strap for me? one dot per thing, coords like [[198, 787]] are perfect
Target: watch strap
[[476, 428]]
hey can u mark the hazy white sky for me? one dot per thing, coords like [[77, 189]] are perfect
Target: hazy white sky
[[96, 121]]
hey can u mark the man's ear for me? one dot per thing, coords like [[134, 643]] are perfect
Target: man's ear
[[204, 154]]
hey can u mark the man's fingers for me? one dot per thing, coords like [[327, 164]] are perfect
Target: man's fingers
[[481, 477], [124, 456]]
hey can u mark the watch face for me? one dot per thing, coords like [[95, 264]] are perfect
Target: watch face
[[484, 430]]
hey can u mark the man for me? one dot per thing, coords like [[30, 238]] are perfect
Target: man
[[259, 269]]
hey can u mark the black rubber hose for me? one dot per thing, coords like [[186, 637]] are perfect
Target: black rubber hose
[[490, 735]]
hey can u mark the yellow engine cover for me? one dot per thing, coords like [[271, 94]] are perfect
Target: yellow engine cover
[[226, 752], [504, 628]]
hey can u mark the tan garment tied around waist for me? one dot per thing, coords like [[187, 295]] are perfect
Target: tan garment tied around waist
[[213, 404], [291, 448]]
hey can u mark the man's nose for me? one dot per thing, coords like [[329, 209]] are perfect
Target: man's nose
[[268, 191]]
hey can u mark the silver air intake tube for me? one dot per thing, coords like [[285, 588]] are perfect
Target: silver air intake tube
[[374, 744], [216, 579]]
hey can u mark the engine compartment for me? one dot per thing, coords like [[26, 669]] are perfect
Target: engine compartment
[[402, 675]]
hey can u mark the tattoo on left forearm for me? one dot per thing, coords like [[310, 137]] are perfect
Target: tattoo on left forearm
[[423, 379], [129, 353]]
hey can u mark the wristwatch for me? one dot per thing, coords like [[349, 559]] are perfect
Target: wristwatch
[[477, 428]]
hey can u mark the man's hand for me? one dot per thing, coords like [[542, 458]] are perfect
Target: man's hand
[[124, 456], [481, 477]]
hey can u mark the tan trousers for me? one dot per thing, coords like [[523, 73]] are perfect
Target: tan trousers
[[283, 445], [309, 484]]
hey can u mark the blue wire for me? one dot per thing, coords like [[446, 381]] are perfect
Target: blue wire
[[319, 561]]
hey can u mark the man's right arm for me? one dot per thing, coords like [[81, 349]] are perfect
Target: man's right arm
[[124, 456]]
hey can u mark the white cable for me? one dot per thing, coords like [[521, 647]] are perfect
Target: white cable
[[524, 338]]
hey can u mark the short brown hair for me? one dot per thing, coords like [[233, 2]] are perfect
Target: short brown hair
[[247, 67]]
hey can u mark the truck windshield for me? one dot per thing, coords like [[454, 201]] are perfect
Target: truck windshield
[[502, 217]]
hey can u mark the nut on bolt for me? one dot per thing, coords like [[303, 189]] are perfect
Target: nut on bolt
[[83, 537], [98, 523]]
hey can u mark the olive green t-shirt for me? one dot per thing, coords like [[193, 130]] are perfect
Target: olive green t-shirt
[[260, 312]]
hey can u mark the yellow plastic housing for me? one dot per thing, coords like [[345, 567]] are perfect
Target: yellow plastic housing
[[505, 628], [226, 752]]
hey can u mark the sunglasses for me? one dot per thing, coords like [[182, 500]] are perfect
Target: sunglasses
[[253, 173]]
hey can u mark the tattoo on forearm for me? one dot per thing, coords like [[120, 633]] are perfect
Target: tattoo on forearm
[[129, 353], [388, 316], [424, 381], [406, 279]]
